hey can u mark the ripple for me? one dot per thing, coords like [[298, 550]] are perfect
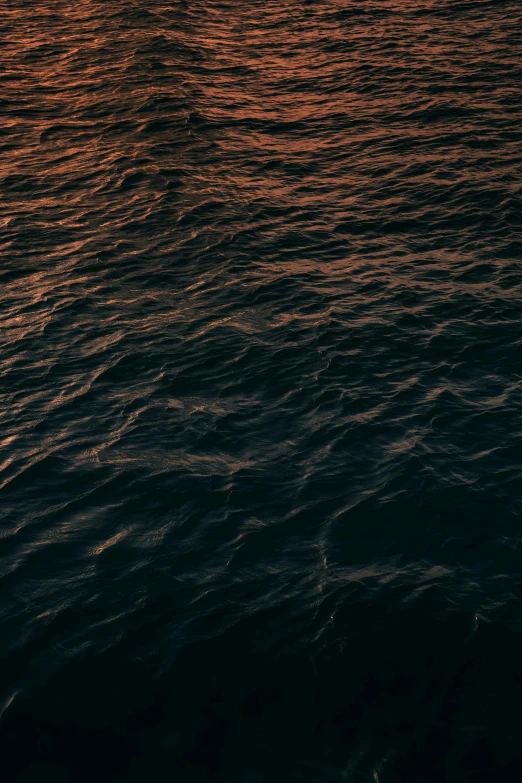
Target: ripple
[[261, 410]]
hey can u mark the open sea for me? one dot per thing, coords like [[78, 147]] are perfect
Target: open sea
[[261, 391]]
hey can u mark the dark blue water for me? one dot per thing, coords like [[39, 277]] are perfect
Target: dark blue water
[[261, 421]]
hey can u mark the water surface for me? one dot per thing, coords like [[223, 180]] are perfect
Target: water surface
[[261, 412]]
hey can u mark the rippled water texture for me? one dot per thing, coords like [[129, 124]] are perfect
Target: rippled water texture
[[261, 391]]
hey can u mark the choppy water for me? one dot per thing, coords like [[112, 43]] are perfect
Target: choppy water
[[261, 415]]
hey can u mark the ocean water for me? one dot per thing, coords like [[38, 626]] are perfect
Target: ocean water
[[261, 386]]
